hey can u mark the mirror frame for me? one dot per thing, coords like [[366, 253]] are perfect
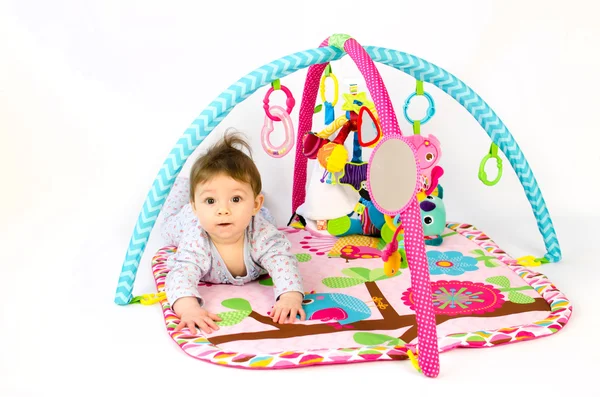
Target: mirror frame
[[416, 182], [361, 112]]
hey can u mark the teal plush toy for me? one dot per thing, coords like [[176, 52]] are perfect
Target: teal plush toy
[[433, 216]]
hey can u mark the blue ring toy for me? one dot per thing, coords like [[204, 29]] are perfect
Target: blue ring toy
[[430, 110]]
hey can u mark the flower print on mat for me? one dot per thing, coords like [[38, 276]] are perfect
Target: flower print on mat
[[460, 298], [452, 263], [318, 244]]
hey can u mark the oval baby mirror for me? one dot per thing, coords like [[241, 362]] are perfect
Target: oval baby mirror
[[368, 129], [392, 175]]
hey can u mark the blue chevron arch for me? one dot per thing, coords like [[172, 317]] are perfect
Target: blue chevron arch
[[218, 109], [491, 123]]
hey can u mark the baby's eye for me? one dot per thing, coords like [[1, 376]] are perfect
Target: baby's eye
[[209, 201], [236, 199]]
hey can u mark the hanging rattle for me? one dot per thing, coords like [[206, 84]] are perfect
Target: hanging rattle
[[277, 113], [428, 147], [492, 154], [428, 114], [390, 255], [329, 106]]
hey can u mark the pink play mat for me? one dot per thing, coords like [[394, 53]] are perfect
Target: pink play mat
[[482, 298]]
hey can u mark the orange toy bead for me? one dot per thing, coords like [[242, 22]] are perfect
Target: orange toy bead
[[333, 157]]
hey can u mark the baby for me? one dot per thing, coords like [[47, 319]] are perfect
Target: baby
[[224, 236]]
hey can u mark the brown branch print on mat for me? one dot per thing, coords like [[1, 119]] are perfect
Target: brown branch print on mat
[[481, 296], [507, 308]]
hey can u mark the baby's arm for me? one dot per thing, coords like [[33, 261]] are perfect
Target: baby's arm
[[186, 267], [282, 265]]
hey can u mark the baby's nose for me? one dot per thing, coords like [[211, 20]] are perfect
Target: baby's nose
[[223, 211]]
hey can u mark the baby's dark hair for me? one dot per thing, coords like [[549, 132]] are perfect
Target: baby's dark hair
[[224, 158]]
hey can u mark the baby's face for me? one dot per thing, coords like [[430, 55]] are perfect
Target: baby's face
[[225, 207]]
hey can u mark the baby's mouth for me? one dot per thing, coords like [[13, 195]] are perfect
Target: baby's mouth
[[224, 224]]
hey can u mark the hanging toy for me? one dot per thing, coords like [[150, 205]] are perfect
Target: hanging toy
[[428, 114], [354, 101], [332, 127], [312, 144], [392, 259], [368, 129], [288, 143], [329, 106], [333, 157], [428, 148], [277, 113], [492, 154]]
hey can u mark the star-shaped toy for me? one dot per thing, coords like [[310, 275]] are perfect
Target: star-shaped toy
[[353, 102]]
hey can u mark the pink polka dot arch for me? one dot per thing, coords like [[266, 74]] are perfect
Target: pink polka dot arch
[[392, 181]]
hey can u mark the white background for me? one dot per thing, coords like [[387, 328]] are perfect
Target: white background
[[93, 95]]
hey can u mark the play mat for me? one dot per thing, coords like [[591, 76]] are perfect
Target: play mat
[[355, 313], [387, 275]]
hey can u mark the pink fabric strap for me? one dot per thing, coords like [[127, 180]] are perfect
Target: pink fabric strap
[[383, 104], [307, 110], [428, 353], [416, 256]]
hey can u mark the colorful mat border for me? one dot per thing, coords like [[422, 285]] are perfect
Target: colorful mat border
[[200, 348]]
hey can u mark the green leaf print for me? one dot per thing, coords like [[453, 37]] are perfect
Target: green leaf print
[[488, 261], [371, 339], [502, 281], [513, 295], [517, 297], [232, 318], [303, 257], [237, 304], [378, 274], [357, 272], [341, 282]]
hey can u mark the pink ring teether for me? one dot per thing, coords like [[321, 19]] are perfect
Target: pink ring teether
[[288, 144], [290, 102]]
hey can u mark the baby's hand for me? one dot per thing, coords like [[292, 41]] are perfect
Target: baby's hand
[[191, 314], [290, 304]]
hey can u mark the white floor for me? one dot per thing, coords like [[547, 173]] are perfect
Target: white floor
[[62, 335]]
